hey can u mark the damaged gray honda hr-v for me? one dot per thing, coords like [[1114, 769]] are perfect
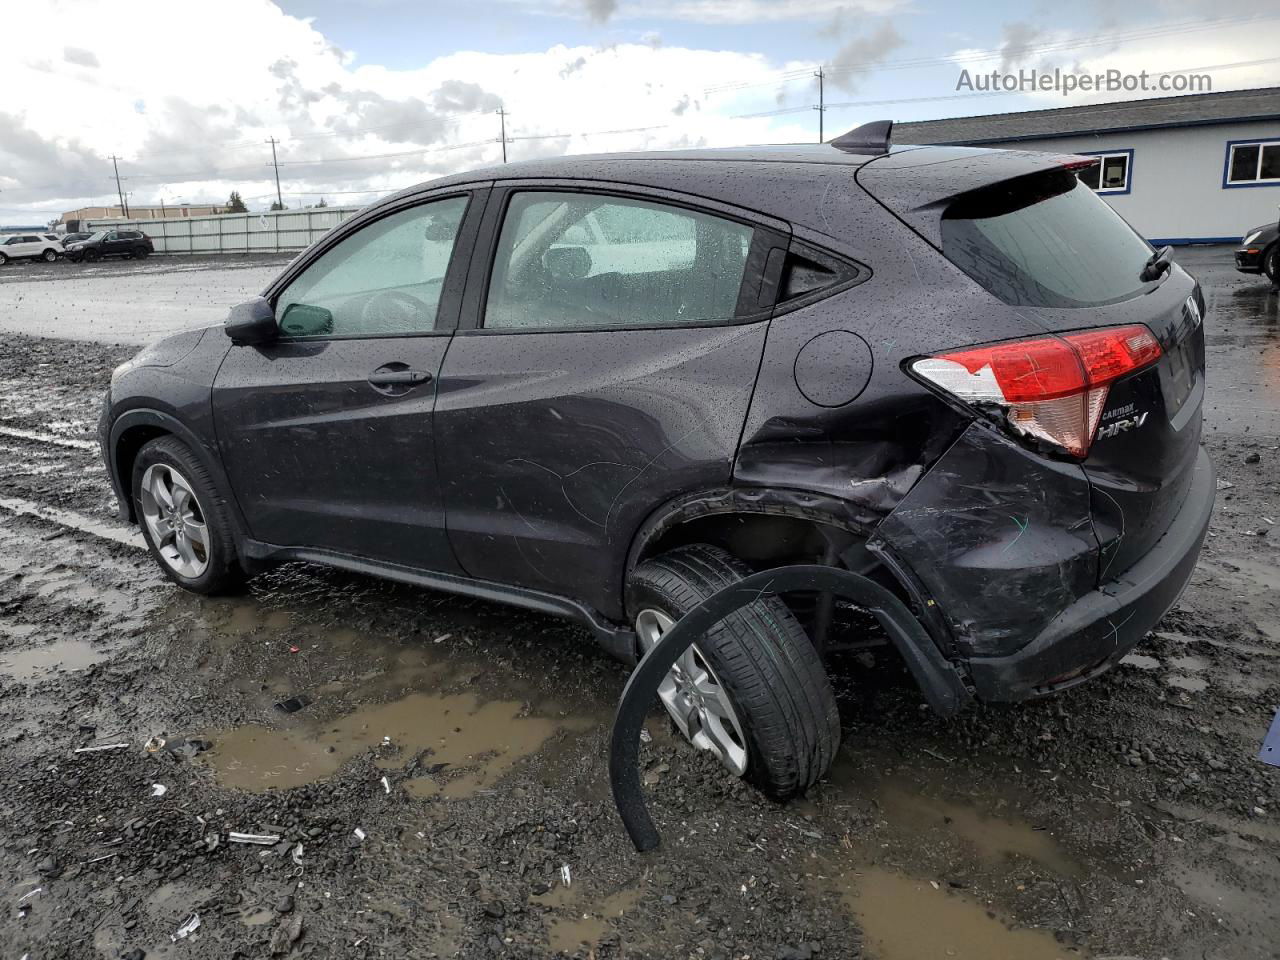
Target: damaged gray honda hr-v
[[609, 387]]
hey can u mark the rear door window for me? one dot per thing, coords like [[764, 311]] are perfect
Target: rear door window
[[1045, 240], [588, 260]]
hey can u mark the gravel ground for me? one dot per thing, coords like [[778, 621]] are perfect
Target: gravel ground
[[465, 742]]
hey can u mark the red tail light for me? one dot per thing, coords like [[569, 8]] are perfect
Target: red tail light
[[1053, 388]]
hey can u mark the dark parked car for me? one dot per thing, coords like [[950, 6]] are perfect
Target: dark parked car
[[1259, 252], [111, 243], [71, 238], [607, 387]]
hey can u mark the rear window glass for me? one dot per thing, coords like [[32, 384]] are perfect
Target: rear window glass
[[1045, 240]]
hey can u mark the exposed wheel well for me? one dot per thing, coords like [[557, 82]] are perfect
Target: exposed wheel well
[[760, 540], [126, 452]]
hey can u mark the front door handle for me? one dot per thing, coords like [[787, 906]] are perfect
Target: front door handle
[[398, 378]]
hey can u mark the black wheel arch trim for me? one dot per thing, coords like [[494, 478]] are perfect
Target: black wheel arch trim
[[938, 679], [166, 422]]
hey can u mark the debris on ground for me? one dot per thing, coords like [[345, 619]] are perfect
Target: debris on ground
[[262, 839], [101, 747], [188, 928]]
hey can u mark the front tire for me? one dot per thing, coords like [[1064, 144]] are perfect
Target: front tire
[[4, 258], [49, 256], [753, 690], [1271, 264], [91, 255], [184, 521]]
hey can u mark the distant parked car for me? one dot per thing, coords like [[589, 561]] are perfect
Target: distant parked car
[[71, 238], [1259, 251], [111, 243], [22, 246]]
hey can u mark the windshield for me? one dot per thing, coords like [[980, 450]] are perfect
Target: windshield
[[96, 236], [1045, 240]]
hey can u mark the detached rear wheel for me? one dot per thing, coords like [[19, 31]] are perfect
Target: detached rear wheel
[[752, 691], [183, 520]]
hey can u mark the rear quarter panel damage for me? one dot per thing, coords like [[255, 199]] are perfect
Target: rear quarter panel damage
[[1001, 537]]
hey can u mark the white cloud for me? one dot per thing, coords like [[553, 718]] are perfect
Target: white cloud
[[1224, 52], [189, 107]]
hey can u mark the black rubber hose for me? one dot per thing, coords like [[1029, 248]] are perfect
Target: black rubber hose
[[940, 683]]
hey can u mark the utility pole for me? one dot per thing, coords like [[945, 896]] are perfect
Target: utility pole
[[124, 210], [502, 118], [276, 165], [822, 104]]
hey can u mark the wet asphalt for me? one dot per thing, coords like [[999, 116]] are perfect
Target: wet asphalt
[[465, 742]]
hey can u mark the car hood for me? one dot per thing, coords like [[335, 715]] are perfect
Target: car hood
[[1269, 231], [163, 353]]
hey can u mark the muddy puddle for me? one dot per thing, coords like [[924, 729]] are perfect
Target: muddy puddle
[[32, 663], [907, 919], [939, 872], [432, 722], [996, 840], [575, 921], [461, 744]]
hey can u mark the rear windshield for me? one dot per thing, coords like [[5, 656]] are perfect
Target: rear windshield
[[1045, 240]]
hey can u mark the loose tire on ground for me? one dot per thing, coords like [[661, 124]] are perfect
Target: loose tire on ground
[[221, 571], [762, 659]]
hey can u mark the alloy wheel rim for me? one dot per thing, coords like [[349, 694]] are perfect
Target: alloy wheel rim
[[693, 695], [175, 520]]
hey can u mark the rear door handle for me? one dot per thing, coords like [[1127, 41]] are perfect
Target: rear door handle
[[398, 378]]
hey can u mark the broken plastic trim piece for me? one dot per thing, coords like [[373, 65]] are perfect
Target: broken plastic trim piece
[[938, 679]]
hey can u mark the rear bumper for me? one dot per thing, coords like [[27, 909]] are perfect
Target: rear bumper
[[1249, 259], [1095, 631]]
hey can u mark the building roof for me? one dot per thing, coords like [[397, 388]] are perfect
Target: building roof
[[1153, 114]]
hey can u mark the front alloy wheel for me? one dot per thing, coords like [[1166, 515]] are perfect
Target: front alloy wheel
[[175, 520], [693, 696]]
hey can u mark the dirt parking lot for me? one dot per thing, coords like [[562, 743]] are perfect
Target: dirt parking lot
[[428, 774]]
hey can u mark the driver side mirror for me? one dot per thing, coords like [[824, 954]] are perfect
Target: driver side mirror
[[251, 322]]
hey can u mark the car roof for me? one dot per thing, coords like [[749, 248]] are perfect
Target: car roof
[[797, 183]]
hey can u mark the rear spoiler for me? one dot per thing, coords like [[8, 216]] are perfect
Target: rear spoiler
[[917, 183]]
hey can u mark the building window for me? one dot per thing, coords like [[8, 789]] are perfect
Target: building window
[[1252, 163], [1110, 174]]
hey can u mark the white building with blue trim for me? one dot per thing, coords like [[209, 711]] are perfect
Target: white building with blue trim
[[1200, 168]]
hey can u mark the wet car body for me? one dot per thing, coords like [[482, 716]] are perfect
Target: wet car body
[[542, 467], [1256, 246]]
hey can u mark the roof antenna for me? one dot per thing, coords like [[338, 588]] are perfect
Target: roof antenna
[[872, 138]]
